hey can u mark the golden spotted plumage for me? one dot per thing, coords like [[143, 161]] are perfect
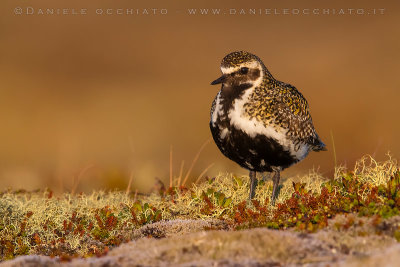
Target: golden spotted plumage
[[259, 122], [276, 103], [235, 59]]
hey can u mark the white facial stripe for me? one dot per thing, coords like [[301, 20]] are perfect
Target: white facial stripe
[[229, 70], [250, 65]]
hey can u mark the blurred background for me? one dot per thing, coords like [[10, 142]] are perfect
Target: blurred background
[[106, 95]]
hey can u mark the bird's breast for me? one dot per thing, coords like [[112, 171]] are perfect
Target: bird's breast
[[230, 118]]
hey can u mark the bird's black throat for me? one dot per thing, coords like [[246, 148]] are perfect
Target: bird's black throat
[[229, 93]]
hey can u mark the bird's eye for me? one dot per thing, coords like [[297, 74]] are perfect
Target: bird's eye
[[244, 70]]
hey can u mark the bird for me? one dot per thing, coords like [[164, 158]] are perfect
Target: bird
[[259, 122]]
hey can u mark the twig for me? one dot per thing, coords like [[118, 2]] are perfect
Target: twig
[[78, 177], [377, 147], [195, 160], [203, 172], [128, 189], [180, 173], [334, 149], [61, 184], [170, 166], [134, 198]]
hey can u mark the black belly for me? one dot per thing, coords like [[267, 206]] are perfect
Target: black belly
[[252, 152]]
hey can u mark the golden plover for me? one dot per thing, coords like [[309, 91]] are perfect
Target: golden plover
[[260, 123]]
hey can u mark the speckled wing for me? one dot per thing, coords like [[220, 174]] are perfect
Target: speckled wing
[[285, 107], [295, 115]]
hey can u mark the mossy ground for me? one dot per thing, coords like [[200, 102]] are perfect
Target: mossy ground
[[86, 225]]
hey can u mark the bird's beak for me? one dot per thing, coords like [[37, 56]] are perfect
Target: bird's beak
[[219, 80]]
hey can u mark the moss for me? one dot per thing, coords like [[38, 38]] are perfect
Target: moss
[[87, 225]]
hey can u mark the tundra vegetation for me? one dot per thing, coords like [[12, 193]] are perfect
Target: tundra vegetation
[[84, 225]]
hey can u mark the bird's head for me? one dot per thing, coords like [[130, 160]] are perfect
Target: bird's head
[[241, 69]]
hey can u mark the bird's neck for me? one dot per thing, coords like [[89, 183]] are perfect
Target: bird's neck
[[229, 94], [232, 92], [269, 83]]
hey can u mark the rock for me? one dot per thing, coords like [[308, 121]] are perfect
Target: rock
[[186, 243]]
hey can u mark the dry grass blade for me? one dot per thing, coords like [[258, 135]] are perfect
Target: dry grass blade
[[180, 173], [78, 178], [170, 166], [128, 189], [61, 184], [203, 172], [194, 161], [334, 149]]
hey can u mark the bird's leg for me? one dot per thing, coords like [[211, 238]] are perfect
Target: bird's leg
[[253, 184], [275, 180]]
